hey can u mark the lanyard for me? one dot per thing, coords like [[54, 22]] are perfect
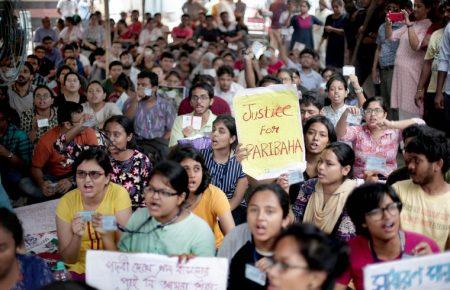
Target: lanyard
[[401, 236]]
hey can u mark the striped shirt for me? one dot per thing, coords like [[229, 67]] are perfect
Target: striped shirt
[[224, 176]]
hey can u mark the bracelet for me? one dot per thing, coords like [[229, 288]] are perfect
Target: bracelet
[[409, 26], [420, 90], [358, 91], [10, 155]]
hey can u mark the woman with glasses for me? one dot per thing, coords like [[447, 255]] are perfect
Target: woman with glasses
[[267, 215], [376, 142], [199, 122], [305, 258], [165, 227], [42, 117], [130, 167], [375, 210], [80, 213]]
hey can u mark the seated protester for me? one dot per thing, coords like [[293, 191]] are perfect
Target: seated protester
[[96, 105], [273, 63], [15, 152], [53, 54], [205, 200], [50, 170], [201, 97], [226, 88], [374, 209], [230, 32], [337, 90], [167, 61], [68, 51], [79, 213], [71, 61], [226, 172], [98, 60], [209, 33], [205, 65], [153, 116], [129, 69], [20, 92], [376, 142], [72, 31], [43, 117], [425, 196], [408, 134], [183, 31], [120, 93], [131, 167], [70, 90], [310, 78], [38, 79], [310, 106], [286, 76], [306, 258], [115, 70], [165, 227], [321, 200], [267, 215], [219, 106], [19, 271], [59, 79], [318, 134]]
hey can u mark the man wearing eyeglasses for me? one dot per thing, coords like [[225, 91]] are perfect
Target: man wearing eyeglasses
[[198, 122], [51, 171]]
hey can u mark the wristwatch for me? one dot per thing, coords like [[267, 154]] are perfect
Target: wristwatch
[[10, 155], [360, 90]]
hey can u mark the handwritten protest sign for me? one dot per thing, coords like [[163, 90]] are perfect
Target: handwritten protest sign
[[120, 271], [269, 127], [38, 222], [424, 273]]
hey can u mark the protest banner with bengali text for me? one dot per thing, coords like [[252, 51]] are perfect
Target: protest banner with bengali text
[[269, 127], [430, 272], [122, 271]]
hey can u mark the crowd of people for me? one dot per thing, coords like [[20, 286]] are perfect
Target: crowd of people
[[140, 132]]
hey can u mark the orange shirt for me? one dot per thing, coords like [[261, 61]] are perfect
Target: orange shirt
[[213, 204], [51, 161]]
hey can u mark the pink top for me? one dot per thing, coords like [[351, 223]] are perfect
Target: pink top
[[182, 32], [273, 68], [365, 145], [361, 256]]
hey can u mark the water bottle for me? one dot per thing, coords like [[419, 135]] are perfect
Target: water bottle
[[60, 273]]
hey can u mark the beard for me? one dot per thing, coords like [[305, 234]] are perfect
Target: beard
[[126, 66]]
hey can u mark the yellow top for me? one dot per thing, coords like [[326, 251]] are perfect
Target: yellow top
[[425, 214], [116, 199], [213, 203]]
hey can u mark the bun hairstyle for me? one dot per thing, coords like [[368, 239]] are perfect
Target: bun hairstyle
[[321, 252]]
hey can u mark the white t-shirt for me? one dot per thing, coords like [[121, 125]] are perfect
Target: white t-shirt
[[228, 96], [67, 7], [109, 110]]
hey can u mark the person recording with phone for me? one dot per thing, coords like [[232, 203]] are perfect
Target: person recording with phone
[[85, 215], [409, 58]]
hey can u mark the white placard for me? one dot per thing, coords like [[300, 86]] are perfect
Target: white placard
[[348, 70], [43, 123], [38, 218], [424, 273], [196, 122], [122, 271]]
